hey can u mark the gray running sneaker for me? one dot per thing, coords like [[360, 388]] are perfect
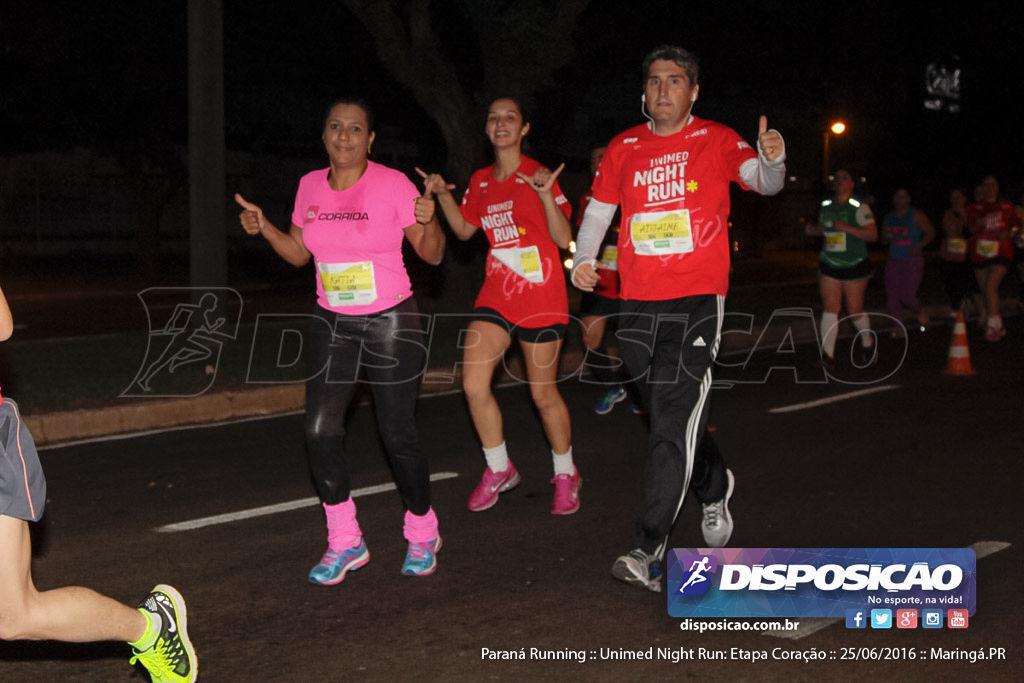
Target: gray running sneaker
[[716, 522], [639, 569]]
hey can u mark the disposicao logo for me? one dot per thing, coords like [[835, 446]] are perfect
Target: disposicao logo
[[818, 582], [696, 580]]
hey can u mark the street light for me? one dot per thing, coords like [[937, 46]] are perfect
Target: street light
[[837, 128]]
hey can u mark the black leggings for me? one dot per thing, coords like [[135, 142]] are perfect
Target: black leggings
[[390, 348]]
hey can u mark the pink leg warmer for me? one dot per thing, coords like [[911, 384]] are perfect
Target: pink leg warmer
[[420, 529], [343, 530]]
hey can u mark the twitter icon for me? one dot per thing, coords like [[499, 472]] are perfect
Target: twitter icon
[[881, 618]]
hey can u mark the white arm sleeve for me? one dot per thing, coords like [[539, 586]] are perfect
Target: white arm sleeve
[[596, 220], [763, 176]]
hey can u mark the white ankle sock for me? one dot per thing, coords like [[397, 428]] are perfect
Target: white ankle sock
[[563, 463], [829, 330], [497, 458]]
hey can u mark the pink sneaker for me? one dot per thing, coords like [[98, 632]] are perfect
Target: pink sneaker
[[491, 484], [567, 493]]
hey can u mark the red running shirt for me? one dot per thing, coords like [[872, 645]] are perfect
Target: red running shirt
[[674, 195], [990, 225], [524, 280]]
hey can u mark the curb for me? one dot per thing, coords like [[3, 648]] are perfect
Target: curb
[[62, 427]]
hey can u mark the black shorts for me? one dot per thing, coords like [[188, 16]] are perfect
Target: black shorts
[[592, 304], [859, 271], [996, 261], [530, 335]]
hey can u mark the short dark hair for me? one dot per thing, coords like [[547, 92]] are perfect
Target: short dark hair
[[675, 54], [355, 102]]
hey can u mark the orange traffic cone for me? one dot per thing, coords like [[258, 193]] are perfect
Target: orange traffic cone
[[959, 356]]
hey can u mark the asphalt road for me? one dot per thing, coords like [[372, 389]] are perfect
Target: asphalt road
[[918, 459]]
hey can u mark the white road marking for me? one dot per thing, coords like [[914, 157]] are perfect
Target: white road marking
[[832, 399], [814, 624], [280, 507]]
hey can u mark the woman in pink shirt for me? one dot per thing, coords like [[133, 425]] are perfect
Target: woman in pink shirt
[[350, 219]]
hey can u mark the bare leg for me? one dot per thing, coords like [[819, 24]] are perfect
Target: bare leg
[[593, 330], [542, 371], [70, 614], [486, 345], [853, 292], [982, 276], [991, 289]]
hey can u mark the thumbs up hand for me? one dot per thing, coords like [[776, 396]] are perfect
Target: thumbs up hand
[[769, 141], [251, 218]]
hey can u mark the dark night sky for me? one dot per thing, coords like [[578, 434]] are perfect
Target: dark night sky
[[113, 74]]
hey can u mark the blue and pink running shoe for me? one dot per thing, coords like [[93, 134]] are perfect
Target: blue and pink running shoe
[[421, 558], [336, 563]]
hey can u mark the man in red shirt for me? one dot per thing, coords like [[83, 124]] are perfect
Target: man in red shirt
[[671, 178]]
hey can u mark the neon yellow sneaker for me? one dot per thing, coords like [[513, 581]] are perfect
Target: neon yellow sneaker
[[172, 658]]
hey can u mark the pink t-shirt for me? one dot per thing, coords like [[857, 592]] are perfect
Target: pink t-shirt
[[355, 236]]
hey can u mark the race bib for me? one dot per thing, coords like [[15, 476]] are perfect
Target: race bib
[[610, 257], [348, 284], [835, 241], [956, 245], [661, 232], [523, 261], [987, 248]]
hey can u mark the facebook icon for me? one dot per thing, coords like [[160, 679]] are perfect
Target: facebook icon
[[856, 618]]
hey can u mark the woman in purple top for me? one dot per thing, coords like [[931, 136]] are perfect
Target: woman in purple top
[[909, 231]]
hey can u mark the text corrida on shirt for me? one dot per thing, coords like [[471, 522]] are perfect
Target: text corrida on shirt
[[276, 353]]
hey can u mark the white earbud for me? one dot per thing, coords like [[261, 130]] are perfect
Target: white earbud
[[643, 98]]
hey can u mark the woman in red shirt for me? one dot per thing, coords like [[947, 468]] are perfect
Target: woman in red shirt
[[518, 204]]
